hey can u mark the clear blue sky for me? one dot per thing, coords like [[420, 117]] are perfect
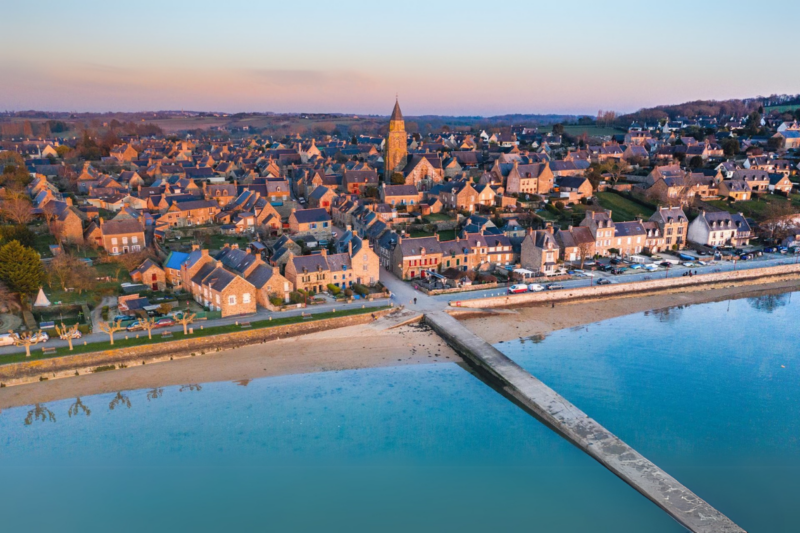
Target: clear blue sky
[[442, 57]]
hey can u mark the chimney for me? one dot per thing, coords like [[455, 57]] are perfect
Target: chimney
[[234, 246], [324, 252], [195, 247], [349, 227], [204, 252], [101, 222], [529, 231], [226, 245]]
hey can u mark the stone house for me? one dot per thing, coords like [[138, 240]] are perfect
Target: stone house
[[190, 213], [629, 238], [321, 197], [673, 224], [151, 274], [533, 178], [736, 190], [358, 181], [539, 251], [780, 182], [316, 222], [575, 243], [121, 236], [720, 229], [601, 225], [400, 195], [414, 256]]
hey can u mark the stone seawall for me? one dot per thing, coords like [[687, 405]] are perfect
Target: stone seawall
[[574, 425], [638, 288], [28, 371]]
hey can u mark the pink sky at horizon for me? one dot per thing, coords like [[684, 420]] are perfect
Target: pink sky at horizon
[[242, 57]]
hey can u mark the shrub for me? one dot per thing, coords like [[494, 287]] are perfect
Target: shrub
[[276, 301], [361, 290], [348, 293], [486, 278], [297, 297], [333, 289]]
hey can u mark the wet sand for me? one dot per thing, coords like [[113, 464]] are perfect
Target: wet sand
[[365, 346], [341, 349]]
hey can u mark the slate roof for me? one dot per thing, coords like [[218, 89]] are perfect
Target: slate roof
[[311, 215]]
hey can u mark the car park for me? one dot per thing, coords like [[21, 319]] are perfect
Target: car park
[[517, 289], [535, 287]]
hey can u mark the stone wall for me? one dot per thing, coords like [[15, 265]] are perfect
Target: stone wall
[[637, 288], [16, 373]]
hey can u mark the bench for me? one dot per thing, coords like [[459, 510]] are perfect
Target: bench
[[166, 335], [48, 350], [245, 325], [308, 317]]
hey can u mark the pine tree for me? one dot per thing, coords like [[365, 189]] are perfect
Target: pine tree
[[20, 269]]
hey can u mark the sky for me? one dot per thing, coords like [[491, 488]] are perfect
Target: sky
[[441, 57]]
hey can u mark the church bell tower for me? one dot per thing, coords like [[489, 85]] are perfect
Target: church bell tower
[[396, 145]]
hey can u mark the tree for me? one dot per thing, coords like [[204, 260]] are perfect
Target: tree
[[119, 399], [185, 320], [39, 412], [730, 147], [558, 129], [776, 143], [585, 249], [398, 179], [110, 328], [8, 300], [696, 162], [148, 324], [67, 333], [777, 219], [17, 208], [20, 269], [26, 339]]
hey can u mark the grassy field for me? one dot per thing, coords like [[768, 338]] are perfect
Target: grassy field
[[622, 209], [756, 209], [435, 217], [121, 342], [782, 108], [591, 131]]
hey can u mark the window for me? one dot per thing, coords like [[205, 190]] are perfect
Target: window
[[115, 250], [217, 298], [113, 240], [232, 299], [245, 298], [124, 240], [134, 240]]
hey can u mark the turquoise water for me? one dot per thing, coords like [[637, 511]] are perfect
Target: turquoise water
[[415, 448], [711, 393], [699, 390]]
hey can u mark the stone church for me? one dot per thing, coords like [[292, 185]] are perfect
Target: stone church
[[396, 145]]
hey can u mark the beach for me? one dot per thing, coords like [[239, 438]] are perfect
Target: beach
[[363, 346]]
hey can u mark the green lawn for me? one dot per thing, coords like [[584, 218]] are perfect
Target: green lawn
[[756, 209], [42, 244], [121, 342], [622, 209], [591, 131], [447, 235], [436, 217]]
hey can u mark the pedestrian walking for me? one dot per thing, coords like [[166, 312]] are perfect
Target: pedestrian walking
[[415, 301]]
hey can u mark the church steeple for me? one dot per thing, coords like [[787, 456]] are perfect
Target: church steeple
[[397, 114], [396, 143]]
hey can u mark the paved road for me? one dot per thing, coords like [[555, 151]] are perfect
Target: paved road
[[403, 293]]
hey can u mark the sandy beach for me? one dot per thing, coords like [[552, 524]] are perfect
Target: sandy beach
[[541, 319], [365, 346]]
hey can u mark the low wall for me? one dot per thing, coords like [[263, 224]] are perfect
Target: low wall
[[455, 290], [27, 371], [574, 425], [635, 288]]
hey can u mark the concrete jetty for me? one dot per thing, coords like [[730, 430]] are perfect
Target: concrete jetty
[[683, 505]]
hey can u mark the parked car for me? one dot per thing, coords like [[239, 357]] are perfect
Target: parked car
[[604, 281], [517, 289], [614, 261], [770, 250], [554, 287], [136, 326], [165, 322], [7, 339], [535, 287], [41, 336], [75, 335], [665, 264]]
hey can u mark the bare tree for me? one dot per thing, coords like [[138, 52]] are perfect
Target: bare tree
[[585, 249], [110, 328], [26, 339], [777, 221], [67, 333], [17, 208], [8, 300], [148, 324], [154, 393], [185, 320]]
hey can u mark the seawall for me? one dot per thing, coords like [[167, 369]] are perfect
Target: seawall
[[57, 367], [574, 425], [639, 288]]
